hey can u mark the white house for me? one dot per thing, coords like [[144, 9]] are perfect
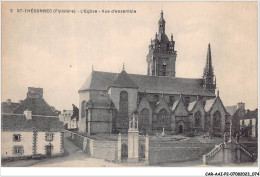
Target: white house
[[248, 123], [26, 135]]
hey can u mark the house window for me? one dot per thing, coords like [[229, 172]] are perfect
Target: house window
[[16, 137], [49, 136], [18, 150]]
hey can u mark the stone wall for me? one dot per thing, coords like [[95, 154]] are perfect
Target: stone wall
[[176, 152], [106, 150]]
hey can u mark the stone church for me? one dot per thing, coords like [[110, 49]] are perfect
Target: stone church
[[159, 99]]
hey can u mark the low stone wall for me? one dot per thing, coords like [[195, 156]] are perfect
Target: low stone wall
[[176, 152], [106, 150]]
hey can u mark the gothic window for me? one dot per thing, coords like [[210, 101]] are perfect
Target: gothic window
[[16, 137], [216, 121], [197, 119], [164, 69], [123, 103], [163, 119], [83, 109], [140, 97], [144, 117]]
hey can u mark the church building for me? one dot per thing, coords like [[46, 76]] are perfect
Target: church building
[[159, 99]]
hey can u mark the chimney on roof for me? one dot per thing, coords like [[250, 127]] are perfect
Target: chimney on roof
[[20, 101], [8, 102], [241, 105], [35, 92], [28, 114]]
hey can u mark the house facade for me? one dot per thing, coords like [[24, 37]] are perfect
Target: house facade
[[160, 99], [249, 124], [67, 119], [26, 135]]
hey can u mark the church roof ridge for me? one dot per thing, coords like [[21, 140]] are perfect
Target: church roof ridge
[[99, 80], [123, 80]]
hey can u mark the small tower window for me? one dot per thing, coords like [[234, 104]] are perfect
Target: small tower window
[[164, 69]]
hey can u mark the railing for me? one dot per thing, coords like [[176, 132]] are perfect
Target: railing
[[246, 151], [212, 153]]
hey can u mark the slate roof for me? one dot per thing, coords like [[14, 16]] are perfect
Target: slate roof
[[150, 84], [18, 122], [251, 114], [209, 104], [191, 105], [175, 105], [231, 109], [124, 81], [38, 106], [5, 108]]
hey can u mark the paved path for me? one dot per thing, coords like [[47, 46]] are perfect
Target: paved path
[[74, 157]]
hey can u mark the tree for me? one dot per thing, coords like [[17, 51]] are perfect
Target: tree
[[75, 112]]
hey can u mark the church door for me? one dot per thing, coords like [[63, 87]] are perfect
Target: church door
[[180, 129]]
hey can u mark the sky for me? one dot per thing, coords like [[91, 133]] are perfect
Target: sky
[[56, 51]]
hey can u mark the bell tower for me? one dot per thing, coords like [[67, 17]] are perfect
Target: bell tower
[[162, 56]]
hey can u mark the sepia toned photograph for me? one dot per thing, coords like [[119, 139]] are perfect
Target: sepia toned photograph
[[129, 84]]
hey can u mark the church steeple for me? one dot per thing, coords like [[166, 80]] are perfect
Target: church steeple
[[162, 56], [209, 81], [161, 24]]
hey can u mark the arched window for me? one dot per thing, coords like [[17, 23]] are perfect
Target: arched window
[[197, 119], [216, 121], [144, 116], [83, 109], [123, 103], [163, 119], [164, 69]]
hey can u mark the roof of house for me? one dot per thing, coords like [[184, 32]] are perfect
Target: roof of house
[[38, 106], [18, 122], [231, 109], [250, 114], [5, 108], [150, 84]]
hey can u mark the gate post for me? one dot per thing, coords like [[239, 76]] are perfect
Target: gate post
[[205, 160], [119, 148], [147, 150]]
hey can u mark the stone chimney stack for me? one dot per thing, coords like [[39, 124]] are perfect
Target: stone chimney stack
[[8, 102], [28, 114], [35, 92], [240, 105]]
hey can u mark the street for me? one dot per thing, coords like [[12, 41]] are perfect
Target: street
[[74, 157]]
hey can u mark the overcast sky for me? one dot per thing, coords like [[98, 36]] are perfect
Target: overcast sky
[[56, 51]]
